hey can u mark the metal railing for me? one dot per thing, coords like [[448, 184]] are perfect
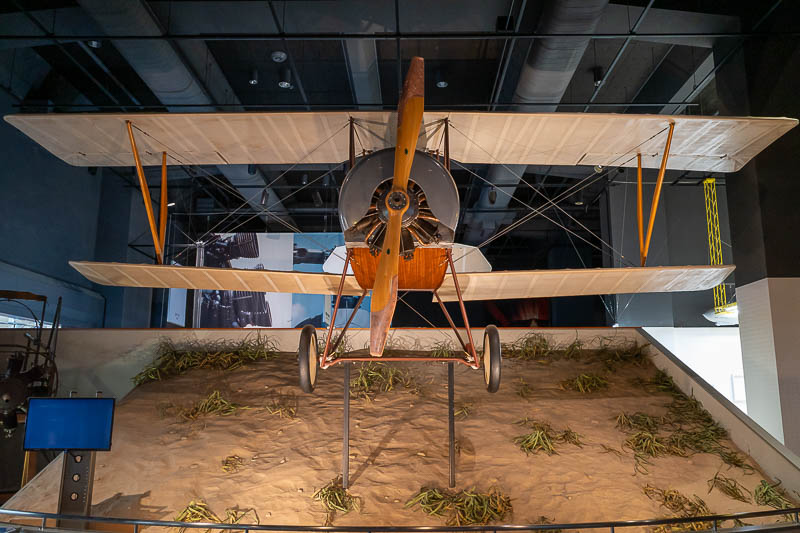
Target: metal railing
[[715, 520]]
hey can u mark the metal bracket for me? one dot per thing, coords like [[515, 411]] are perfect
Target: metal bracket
[[77, 480]]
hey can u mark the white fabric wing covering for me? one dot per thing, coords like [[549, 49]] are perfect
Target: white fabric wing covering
[[718, 144], [475, 285]]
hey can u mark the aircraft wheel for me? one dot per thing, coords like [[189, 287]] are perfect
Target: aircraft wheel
[[492, 359], [307, 358]]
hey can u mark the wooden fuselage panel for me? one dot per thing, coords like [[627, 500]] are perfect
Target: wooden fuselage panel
[[425, 271]]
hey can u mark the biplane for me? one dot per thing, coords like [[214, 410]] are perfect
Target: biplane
[[399, 204]]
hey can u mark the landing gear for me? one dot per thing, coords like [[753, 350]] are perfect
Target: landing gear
[[492, 359], [307, 359]]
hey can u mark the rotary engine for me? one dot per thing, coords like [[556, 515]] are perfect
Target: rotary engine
[[432, 213]]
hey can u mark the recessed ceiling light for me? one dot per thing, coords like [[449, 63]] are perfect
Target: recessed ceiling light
[[441, 84], [279, 56], [94, 44], [171, 204]]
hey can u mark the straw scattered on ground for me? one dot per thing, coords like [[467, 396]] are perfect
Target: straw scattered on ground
[[215, 404], [681, 506], [373, 378], [283, 406], [771, 495], [585, 383], [730, 487], [232, 464], [173, 358], [199, 511], [463, 410], [524, 390], [686, 429], [543, 438], [335, 498], [463, 508], [443, 349]]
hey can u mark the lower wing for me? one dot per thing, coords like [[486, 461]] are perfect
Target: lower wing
[[500, 285]]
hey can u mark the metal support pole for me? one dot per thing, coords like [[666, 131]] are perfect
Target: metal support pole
[[447, 144], [352, 143], [148, 206], [196, 296], [657, 193], [639, 215], [162, 216], [451, 421], [346, 432]]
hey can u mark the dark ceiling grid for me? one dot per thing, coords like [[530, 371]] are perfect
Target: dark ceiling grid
[[480, 69]]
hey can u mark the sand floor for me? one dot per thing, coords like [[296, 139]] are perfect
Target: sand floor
[[398, 444]]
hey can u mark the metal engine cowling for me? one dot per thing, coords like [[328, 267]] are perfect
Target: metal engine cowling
[[432, 214]]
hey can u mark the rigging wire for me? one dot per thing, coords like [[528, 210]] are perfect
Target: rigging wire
[[534, 211], [548, 202], [579, 186], [225, 186]]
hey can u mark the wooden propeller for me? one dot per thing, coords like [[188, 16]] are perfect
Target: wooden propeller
[[409, 120]]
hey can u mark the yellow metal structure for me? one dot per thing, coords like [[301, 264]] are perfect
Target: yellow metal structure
[[714, 240]]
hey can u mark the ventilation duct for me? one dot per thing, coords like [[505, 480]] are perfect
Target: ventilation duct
[[164, 70], [547, 71]]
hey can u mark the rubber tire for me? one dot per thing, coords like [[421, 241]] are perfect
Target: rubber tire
[[492, 358], [308, 358]]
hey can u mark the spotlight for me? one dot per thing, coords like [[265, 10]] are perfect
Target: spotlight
[[171, 204], [94, 44], [441, 83], [253, 77], [597, 72], [493, 196], [279, 56], [286, 79], [598, 169]]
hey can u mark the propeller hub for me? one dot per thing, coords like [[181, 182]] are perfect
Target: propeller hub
[[397, 200]]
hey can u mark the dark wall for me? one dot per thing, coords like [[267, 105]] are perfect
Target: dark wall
[[763, 197], [53, 213], [679, 238]]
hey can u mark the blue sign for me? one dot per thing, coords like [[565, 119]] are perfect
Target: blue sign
[[69, 424]]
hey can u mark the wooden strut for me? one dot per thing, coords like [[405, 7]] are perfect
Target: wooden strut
[[639, 216], [158, 236], [657, 194]]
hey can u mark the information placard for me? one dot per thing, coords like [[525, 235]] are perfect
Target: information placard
[[69, 424]]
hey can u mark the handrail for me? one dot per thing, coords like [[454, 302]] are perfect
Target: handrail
[[714, 519]]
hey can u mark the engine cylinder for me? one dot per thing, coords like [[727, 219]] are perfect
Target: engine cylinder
[[434, 204]]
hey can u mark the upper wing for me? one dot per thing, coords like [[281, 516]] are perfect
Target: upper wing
[[232, 279], [719, 144], [474, 285], [582, 282]]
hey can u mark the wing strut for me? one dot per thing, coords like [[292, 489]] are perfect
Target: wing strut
[[159, 232], [656, 194]]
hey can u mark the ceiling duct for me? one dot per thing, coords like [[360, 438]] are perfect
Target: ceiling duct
[[547, 71], [166, 73]]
